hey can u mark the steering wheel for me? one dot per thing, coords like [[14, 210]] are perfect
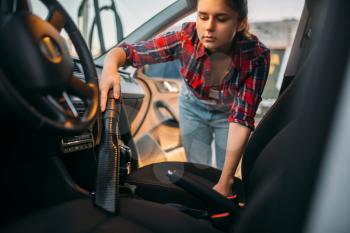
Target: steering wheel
[[40, 84]]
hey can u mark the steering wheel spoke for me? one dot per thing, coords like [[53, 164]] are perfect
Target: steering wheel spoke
[[80, 89], [70, 105], [54, 109], [56, 19]]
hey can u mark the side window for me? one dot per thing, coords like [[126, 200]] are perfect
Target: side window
[[275, 23], [279, 37]]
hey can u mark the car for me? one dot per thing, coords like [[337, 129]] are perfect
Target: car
[[67, 167]]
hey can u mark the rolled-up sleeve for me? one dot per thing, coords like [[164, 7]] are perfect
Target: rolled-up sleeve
[[164, 48], [247, 100]]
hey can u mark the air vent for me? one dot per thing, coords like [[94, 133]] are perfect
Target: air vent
[[80, 107], [76, 68], [77, 71]]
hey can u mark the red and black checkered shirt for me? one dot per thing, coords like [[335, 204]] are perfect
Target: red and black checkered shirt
[[241, 87]]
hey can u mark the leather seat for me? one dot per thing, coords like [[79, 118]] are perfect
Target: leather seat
[[152, 183], [79, 216]]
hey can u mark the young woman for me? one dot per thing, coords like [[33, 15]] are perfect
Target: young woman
[[224, 69]]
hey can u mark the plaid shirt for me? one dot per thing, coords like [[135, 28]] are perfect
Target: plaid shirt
[[242, 86]]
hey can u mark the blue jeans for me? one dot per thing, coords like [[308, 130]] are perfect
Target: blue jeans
[[200, 124]]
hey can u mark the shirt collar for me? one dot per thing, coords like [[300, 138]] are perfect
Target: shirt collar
[[200, 50]]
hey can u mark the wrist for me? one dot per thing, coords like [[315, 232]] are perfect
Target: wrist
[[112, 59], [111, 63], [226, 181]]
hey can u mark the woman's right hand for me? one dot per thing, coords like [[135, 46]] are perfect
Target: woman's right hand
[[109, 79]]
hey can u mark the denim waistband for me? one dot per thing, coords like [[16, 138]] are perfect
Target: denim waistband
[[210, 104]]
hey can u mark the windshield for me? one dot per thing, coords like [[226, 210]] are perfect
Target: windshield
[[103, 23]]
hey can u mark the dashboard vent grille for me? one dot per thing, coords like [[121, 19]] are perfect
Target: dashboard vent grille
[[76, 68]]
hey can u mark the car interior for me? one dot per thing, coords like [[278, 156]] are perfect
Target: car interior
[[67, 167]]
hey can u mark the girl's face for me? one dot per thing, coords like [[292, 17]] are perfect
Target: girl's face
[[217, 24]]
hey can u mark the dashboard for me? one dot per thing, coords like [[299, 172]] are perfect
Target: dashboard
[[132, 94]]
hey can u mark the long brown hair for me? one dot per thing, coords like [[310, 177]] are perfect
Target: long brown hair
[[241, 7]]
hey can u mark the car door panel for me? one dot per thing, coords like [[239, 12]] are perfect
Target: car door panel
[[157, 123]]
